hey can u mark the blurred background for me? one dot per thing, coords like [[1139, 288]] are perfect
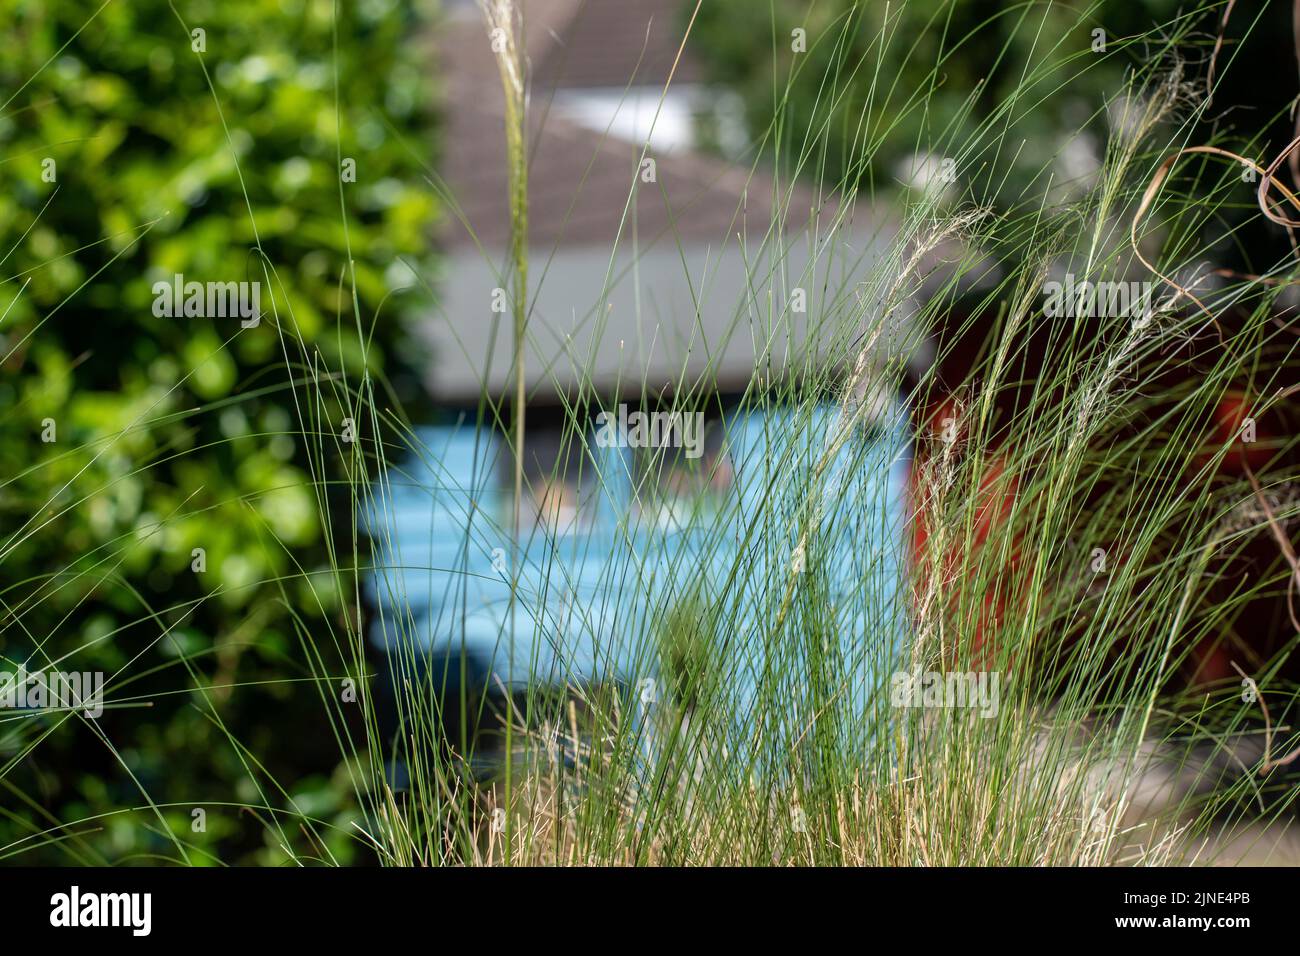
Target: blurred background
[[133, 149]]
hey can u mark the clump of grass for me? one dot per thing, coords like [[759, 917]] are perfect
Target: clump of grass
[[823, 770], [776, 741]]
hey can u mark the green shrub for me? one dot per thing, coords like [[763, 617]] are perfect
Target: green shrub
[[127, 157]]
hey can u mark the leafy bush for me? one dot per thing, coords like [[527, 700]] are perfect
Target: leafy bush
[[138, 142]]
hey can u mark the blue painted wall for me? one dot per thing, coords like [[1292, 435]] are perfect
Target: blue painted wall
[[592, 594]]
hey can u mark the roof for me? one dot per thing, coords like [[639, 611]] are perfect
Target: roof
[[580, 180], [635, 282], [602, 43]]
